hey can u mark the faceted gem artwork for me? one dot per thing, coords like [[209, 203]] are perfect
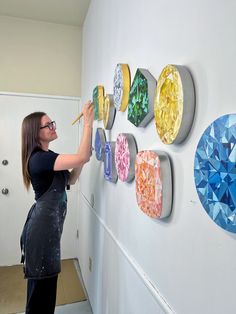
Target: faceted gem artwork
[[174, 104], [100, 140], [98, 100], [215, 171], [125, 153], [110, 173], [109, 112], [121, 86], [141, 98], [153, 183]]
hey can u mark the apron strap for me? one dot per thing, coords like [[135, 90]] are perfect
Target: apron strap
[[23, 235]]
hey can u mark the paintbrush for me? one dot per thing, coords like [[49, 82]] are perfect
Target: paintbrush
[[78, 118]]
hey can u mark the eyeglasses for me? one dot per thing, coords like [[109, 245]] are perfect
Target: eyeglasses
[[50, 125]]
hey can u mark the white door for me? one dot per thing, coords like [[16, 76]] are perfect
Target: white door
[[15, 204]]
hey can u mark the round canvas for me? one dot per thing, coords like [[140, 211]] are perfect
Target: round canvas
[[215, 171], [174, 104], [100, 140], [121, 86]]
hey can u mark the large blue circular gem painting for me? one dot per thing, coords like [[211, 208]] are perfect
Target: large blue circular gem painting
[[215, 171]]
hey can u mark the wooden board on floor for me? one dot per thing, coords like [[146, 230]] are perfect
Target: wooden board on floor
[[13, 287]]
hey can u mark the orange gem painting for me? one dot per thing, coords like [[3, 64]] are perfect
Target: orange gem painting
[[148, 183]]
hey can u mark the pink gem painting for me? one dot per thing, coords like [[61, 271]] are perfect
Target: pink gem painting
[[125, 152]]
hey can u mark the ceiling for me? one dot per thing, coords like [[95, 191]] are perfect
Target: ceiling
[[68, 12]]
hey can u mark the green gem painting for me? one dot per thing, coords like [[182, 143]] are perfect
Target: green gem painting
[[140, 108]]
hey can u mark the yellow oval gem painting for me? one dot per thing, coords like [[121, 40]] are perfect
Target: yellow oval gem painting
[[109, 111], [174, 104]]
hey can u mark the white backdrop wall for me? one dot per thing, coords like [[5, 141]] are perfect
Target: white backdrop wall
[[186, 263]]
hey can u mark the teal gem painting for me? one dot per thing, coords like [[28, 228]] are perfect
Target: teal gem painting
[[95, 102]]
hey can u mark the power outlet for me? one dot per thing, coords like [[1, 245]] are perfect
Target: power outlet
[[90, 264]]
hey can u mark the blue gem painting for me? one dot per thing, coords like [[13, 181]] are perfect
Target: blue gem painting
[[110, 173], [215, 171], [100, 140]]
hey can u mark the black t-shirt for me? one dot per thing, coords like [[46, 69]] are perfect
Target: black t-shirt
[[41, 171]]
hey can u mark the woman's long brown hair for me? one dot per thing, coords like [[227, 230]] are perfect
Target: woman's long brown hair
[[29, 141]]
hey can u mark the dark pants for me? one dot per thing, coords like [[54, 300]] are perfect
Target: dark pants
[[41, 296]]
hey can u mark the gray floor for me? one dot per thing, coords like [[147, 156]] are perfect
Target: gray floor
[[79, 307]]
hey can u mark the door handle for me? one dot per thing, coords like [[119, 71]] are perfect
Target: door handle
[[5, 191]]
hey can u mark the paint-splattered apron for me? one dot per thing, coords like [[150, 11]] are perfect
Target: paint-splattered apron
[[40, 239]]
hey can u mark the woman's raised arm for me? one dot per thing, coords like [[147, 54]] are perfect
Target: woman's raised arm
[[77, 160]]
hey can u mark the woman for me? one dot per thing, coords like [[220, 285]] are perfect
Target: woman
[[49, 174]]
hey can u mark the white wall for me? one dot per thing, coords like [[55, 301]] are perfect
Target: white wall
[[39, 57], [138, 262]]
